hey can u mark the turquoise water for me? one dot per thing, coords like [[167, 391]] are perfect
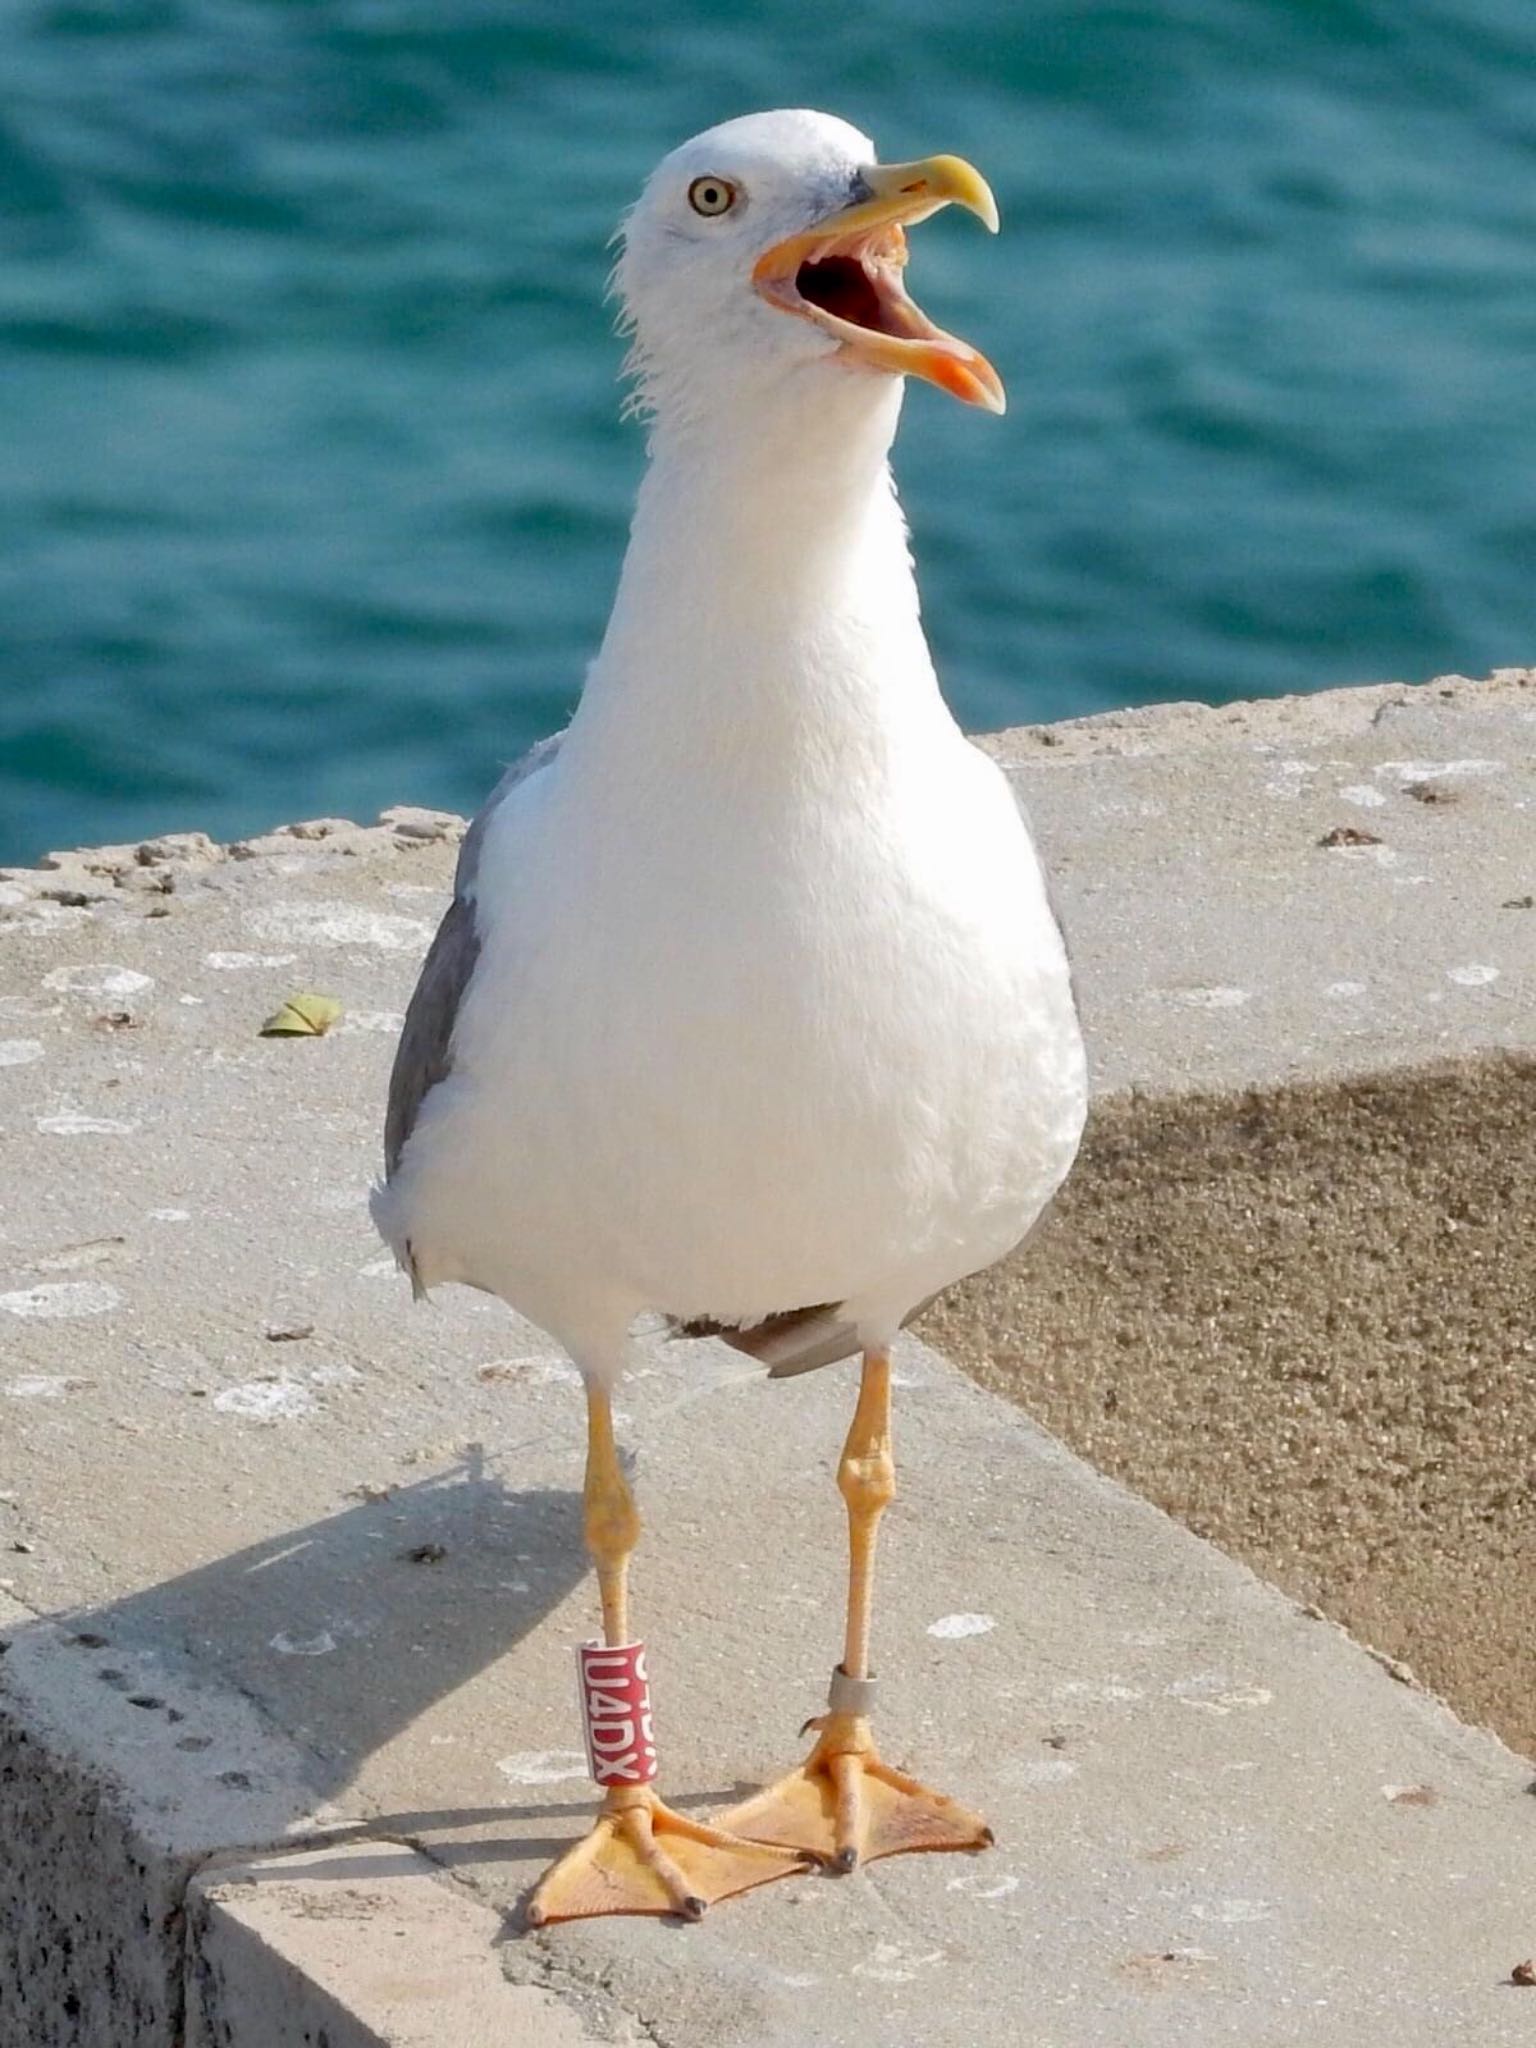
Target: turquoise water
[[312, 487]]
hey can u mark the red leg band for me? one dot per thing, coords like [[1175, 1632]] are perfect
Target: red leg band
[[616, 1713]]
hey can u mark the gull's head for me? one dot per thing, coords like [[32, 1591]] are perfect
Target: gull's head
[[776, 244]]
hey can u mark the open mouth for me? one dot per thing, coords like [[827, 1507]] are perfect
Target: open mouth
[[845, 275], [862, 288]]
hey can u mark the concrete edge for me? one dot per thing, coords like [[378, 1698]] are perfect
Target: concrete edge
[[239, 1938], [1149, 729], [363, 1944]]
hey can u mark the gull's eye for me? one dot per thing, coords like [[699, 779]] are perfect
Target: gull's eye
[[711, 196]]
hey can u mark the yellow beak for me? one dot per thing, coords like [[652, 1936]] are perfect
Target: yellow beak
[[871, 234]]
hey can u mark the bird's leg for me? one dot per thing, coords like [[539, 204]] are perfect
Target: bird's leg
[[640, 1856], [844, 1806]]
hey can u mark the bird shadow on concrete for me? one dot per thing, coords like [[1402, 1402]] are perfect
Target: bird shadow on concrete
[[345, 1631]]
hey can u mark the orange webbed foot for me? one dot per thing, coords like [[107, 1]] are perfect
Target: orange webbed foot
[[844, 1806], [643, 1857]]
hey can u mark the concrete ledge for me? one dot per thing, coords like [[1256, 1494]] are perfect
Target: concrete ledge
[[296, 1571], [363, 1946], [1290, 1292]]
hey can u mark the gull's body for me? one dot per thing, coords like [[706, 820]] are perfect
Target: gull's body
[[769, 1007], [751, 1000]]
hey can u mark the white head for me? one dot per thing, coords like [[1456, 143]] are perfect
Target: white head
[[771, 249]]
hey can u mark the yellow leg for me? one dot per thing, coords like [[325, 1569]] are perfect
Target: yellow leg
[[844, 1806], [866, 1478], [640, 1856]]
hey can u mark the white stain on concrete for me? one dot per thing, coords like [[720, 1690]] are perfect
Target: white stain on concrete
[[1042, 1770], [47, 917], [340, 924], [1233, 1912], [385, 1022], [986, 1885], [543, 1766], [73, 1123], [36, 1386], [1361, 793], [1099, 1692], [236, 963], [1473, 975], [890, 1963], [1344, 991], [1290, 778], [334, 1376], [950, 1628], [379, 1269], [169, 1215], [99, 980], [62, 1300], [320, 1645], [266, 1401], [20, 1052], [1436, 771], [1217, 1695]]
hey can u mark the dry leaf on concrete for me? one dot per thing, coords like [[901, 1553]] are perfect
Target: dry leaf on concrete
[[304, 1016]]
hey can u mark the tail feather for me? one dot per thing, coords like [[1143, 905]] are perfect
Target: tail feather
[[796, 1340]]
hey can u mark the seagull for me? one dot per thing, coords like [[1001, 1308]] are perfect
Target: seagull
[[750, 1009]]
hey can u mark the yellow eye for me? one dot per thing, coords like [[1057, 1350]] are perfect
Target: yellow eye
[[711, 195]]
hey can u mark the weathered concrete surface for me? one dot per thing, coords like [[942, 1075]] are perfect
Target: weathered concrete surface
[[363, 1945], [330, 1546], [1218, 943], [1290, 1291]]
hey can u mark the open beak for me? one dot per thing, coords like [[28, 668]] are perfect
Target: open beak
[[845, 275]]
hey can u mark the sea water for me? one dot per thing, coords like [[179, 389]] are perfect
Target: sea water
[[312, 481]]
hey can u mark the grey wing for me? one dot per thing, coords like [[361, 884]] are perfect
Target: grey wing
[[424, 1055]]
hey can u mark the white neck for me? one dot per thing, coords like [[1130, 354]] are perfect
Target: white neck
[[767, 603]]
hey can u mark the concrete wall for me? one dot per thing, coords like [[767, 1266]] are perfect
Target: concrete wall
[[1301, 1321]]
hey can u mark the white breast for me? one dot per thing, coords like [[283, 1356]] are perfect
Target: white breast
[[724, 1061]]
